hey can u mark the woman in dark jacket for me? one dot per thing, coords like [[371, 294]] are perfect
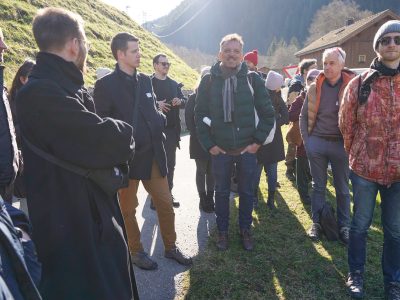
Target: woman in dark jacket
[[270, 154], [21, 77], [204, 177]]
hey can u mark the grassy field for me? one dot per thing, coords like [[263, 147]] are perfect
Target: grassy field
[[285, 263], [102, 22]]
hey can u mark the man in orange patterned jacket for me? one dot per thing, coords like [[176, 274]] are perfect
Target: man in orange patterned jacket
[[369, 119]]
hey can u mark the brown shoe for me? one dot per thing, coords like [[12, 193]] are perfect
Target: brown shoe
[[143, 261], [222, 242], [247, 239], [177, 255]]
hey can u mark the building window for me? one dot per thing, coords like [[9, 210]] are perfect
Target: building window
[[362, 58]]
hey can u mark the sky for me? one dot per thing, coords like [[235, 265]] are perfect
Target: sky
[[144, 10]]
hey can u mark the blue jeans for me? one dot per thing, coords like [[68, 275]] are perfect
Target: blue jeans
[[320, 152], [222, 165], [364, 197]]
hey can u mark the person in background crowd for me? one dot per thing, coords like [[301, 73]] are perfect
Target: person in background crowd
[[226, 127], [369, 120], [19, 268], [10, 156], [21, 77], [169, 99], [204, 176], [127, 95], [302, 167], [77, 226], [269, 155], [323, 140], [296, 85], [251, 60]]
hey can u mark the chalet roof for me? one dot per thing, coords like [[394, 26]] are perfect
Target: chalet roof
[[338, 36]]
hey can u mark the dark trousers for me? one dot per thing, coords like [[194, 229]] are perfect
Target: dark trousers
[[222, 165], [290, 158], [364, 197], [171, 143], [204, 176], [302, 176], [320, 152]]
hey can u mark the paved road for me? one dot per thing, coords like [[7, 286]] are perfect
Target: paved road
[[192, 228]]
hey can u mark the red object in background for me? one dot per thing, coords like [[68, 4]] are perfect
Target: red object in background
[[290, 71]]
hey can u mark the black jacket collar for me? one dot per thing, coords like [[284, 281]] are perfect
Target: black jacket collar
[[122, 75], [53, 67]]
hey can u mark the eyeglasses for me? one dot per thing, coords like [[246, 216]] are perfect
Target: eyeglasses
[[164, 64], [385, 41], [87, 43]]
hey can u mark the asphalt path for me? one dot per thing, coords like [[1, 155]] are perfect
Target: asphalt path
[[192, 227]]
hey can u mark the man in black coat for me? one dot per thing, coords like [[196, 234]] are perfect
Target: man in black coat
[[169, 99], [128, 95], [77, 227]]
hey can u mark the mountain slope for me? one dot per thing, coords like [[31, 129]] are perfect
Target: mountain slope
[[102, 22], [200, 24]]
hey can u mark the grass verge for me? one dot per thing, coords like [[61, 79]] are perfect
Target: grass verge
[[285, 263]]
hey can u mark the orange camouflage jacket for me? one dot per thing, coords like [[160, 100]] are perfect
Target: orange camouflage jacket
[[371, 131]]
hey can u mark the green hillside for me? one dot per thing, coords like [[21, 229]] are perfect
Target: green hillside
[[102, 22]]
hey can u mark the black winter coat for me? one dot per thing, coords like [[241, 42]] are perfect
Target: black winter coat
[[275, 151], [195, 149], [77, 228], [176, 92], [115, 96]]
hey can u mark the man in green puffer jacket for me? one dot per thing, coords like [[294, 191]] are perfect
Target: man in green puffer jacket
[[234, 117]]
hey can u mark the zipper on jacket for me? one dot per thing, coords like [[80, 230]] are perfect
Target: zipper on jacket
[[234, 135]]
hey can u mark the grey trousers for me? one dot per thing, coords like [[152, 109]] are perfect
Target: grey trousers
[[320, 152]]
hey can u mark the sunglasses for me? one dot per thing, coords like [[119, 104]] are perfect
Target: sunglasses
[[385, 41], [165, 64]]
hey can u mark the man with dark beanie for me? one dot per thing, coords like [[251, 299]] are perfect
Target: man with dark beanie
[[324, 142], [226, 102], [369, 121]]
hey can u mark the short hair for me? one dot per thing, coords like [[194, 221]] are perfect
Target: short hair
[[339, 52], [231, 37], [306, 63], [157, 57], [120, 42], [52, 28]]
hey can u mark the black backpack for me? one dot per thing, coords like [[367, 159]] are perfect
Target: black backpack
[[328, 222]]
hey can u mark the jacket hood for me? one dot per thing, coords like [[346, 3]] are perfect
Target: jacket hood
[[216, 69]]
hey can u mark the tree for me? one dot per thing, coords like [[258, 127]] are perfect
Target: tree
[[334, 16], [283, 54]]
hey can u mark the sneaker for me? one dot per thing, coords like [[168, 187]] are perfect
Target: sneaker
[[177, 255], [175, 203], [344, 233], [222, 241], [314, 232], [247, 239], [143, 261], [393, 291], [355, 285]]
